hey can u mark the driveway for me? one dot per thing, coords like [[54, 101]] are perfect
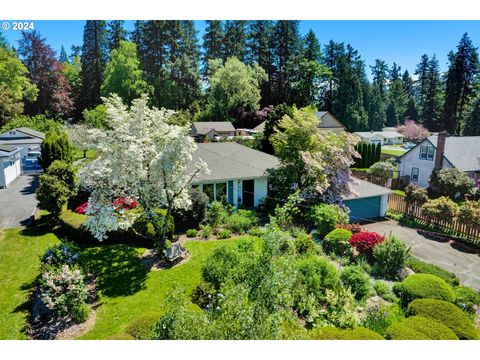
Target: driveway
[[17, 201], [465, 265]]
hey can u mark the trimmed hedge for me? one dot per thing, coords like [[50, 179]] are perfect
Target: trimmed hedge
[[421, 267], [333, 333], [447, 313], [337, 242], [423, 286], [420, 328]]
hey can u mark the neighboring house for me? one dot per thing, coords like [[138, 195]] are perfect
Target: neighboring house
[[329, 122], [9, 164], [211, 130], [27, 139], [388, 136], [260, 127], [440, 152], [368, 201], [237, 173]]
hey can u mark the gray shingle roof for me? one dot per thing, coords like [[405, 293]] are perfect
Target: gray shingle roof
[[8, 150], [31, 132], [328, 121], [462, 151], [260, 127], [365, 189], [385, 134], [229, 160], [203, 127]]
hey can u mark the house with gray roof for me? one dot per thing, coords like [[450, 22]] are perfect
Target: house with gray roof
[[211, 130], [25, 138], [388, 136], [238, 174], [10, 167], [329, 122], [440, 151]]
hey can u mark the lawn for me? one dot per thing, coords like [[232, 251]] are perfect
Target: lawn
[[126, 289], [393, 152], [78, 155]]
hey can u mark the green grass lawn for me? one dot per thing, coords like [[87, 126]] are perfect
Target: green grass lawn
[[126, 289], [78, 154], [393, 152]]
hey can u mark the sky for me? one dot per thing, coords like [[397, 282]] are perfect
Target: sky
[[403, 42]]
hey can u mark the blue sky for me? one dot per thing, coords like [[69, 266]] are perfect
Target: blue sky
[[401, 41]]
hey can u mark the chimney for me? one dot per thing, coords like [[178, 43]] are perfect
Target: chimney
[[441, 138]]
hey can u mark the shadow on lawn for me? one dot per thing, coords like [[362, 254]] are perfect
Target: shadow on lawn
[[117, 268]]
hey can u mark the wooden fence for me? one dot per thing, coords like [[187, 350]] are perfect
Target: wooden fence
[[397, 203]]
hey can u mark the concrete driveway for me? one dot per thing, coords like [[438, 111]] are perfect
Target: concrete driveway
[[465, 265], [17, 202]]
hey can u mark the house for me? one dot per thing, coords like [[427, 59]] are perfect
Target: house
[[329, 122], [237, 172], [367, 201], [440, 151], [27, 139], [211, 130], [388, 136], [260, 128], [9, 164]]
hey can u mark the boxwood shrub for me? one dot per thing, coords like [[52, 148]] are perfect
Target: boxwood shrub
[[318, 274], [337, 242], [447, 313], [466, 298], [333, 333], [420, 328], [357, 280], [423, 286], [421, 267]]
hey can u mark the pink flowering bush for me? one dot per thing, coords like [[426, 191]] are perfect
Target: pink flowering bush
[[122, 203], [364, 242], [82, 208], [64, 291], [412, 131]]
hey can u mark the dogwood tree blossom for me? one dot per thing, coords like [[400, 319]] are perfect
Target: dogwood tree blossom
[[80, 137], [142, 157]]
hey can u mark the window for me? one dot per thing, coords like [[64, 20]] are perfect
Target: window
[[221, 192], [208, 189], [415, 172], [427, 152]]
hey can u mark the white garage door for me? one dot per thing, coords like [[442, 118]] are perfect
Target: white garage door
[[11, 170]]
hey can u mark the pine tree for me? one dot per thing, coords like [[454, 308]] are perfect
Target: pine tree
[[116, 33], [378, 99], [432, 106], [213, 43], [397, 98], [407, 83], [311, 47], [75, 51], [94, 59], [472, 122], [331, 55], [462, 78], [63, 57], [421, 84], [411, 113], [235, 40]]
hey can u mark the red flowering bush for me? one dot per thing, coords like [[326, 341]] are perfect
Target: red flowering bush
[[364, 242], [353, 228], [126, 203], [82, 208]]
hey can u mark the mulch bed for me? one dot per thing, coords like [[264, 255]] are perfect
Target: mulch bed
[[43, 326]]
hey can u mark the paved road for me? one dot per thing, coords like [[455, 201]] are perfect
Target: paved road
[[17, 202], [465, 265]]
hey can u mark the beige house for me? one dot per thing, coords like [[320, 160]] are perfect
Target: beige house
[[211, 130], [388, 136], [329, 122]]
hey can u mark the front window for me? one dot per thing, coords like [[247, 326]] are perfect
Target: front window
[[427, 152], [208, 189], [221, 192], [415, 172]]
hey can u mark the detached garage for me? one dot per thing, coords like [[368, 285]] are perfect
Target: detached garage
[[369, 201], [9, 164]]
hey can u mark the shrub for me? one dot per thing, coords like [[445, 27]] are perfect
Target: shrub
[[60, 254], [55, 146], [382, 169], [353, 228], [420, 328], [219, 264], [241, 221], [224, 234], [440, 209], [96, 117], [318, 274], [191, 233], [216, 214], [337, 242], [325, 217], [256, 232], [355, 278], [82, 208], [390, 257], [423, 286], [38, 122], [144, 225], [380, 318], [206, 231], [52, 194], [364, 242], [452, 182], [382, 290], [195, 214], [304, 244], [333, 333], [63, 290], [422, 267], [202, 294], [65, 172], [466, 298], [469, 213], [415, 195], [141, 328], [446, 313]]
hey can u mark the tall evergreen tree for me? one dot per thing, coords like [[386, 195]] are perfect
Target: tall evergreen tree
[[411, 110], [407, 83], [462, 78], [213, 43], [432, 106], [94, 59], [421, 84], [116, 33], [311, 47], [472, 122], [235, 39], [63, 57], [331, 55], [75, 50], [378, 100], [397, 98]]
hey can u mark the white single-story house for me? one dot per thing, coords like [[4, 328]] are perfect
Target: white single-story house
[[238, 174], [440, 152], [260, 127], [27, 139], [329, 122], [211, 130], [388, 136], [367, 201], [10, 167]]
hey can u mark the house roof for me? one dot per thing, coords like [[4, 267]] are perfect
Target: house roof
[[463, 152], [385, 134], [203, 127], [8, 150], [14, 141], [328, 121], [230, 160], [260, 127], [364, 189]]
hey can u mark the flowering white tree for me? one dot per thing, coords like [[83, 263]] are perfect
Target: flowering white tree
[[80, 137], [142, 157]]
